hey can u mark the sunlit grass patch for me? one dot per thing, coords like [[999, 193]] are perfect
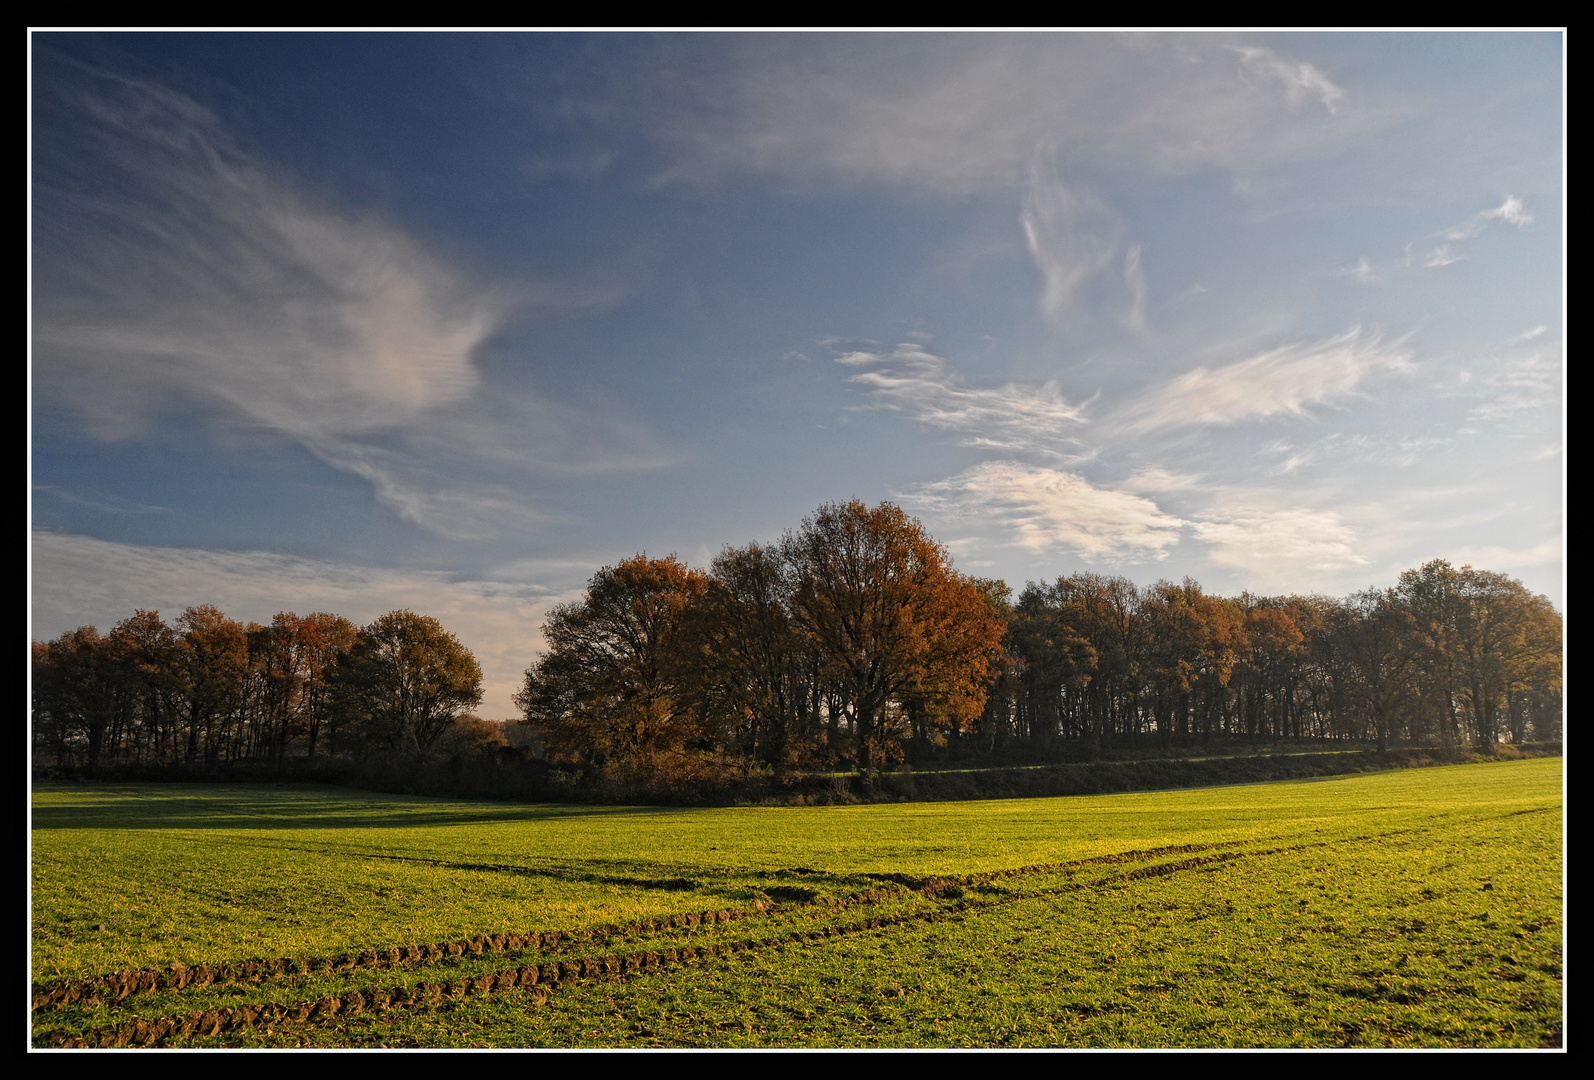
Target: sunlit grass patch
[[1412, 908]]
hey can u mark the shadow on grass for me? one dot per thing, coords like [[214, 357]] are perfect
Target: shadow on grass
[[283, 806]]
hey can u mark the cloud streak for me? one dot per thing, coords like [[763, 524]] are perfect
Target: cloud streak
[[199, 269], [965, 113], [1438, 250], [1044, 509], [1298, 79], [1510, 212], [1282, 382], [1545, 553], [1259, 538], [1072, 238], [1521, 384], [176, 271], [1036, 419]]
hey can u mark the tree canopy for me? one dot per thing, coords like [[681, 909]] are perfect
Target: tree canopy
[[609, 683], [405, 681], [858, 607], [211, 689], [852, 641]]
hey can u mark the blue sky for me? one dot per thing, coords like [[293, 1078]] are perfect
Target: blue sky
[[447, 321]]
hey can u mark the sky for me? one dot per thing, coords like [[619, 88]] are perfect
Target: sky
[[355, 322]]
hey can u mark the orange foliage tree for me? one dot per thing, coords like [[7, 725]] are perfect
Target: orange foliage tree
[[894, 625], [609, 685]]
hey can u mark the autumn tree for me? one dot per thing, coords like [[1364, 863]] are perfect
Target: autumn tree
[[965, 654], [404, 682], [1271, 644], [1375, 628], [1432, 599], [78, 692], [1195, 643], [212, 663], [1501, 635], [893, 623], [610, 683], [1479, 642], [743, 660], [324, 639], [1057, 661], [1534, 687], [147, 652]]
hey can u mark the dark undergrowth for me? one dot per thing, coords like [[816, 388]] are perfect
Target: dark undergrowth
[[509, 777]]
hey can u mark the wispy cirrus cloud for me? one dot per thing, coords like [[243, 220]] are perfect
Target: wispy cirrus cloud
[[1519, 384], [1281, 382], [1049, 511], [1043, 509], [1139, 291], [200, 268], [1300, 80], [1433, 258], [1510, 212], [912, 380], [1072, 238], [174, 267], [1364, 271], [1544, 553], [1263, 538], [965, 113], [1442, 249], [79, 580], [1156, 479]]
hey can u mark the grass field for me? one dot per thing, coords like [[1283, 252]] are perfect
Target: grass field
[[1411, 908]]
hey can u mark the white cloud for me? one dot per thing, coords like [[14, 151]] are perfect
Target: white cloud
[[1435, 256], [1012, 417], [110, 505], [79, 581], [1535, 332], [1338, 449], [1041, 509], [1157, 479], [1300, 80], [1270, 540], [1363, 271], [1431, 258], [1521, 383], [1282, 382], [1512, 212], [961, 112], [177, 269], [1547, 553], [1071, 237], [205, 274], [858, 358], [1537, 372], [1135, 278]]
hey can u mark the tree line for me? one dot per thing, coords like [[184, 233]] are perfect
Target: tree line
[[212, 690], [1450, 655], [851, 643]]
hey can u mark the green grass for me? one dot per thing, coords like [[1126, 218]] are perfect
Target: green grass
[[1419, 907]]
